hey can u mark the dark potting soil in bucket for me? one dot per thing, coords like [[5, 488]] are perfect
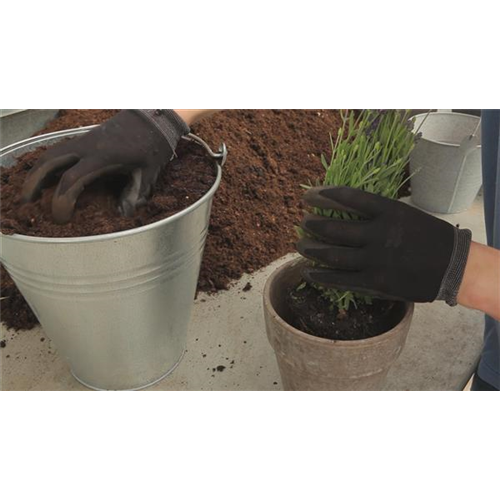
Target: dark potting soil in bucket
[[184, 181], [310, 312]]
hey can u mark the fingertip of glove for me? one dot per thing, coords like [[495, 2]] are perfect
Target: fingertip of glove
[[312, 194], [26, 195], [126, 208], [62, 210], [310, 275], [329, 197], [302, 245], [29, 190], [305, 272]]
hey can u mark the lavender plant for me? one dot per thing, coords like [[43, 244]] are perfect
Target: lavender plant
[[370, 152]]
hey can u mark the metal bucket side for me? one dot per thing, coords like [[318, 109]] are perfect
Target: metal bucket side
[[117, 306], [445, 177], [17, 124]]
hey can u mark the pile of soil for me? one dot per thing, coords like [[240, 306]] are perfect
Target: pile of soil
[[74, 118], [14, 310], [271, 153], [310, 312]]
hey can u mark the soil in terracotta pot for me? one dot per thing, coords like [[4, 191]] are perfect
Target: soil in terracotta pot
[[311, 313]]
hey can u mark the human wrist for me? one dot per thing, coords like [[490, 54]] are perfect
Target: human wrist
[[191, 116], [480, 288]]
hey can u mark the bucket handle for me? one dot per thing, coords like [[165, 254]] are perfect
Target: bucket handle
[[468, 142], [220, 156], [468, 145]]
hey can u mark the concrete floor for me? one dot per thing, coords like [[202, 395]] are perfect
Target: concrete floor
[[227, 330]]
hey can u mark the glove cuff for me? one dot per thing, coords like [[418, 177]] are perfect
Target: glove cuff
[[454, 274], [168, 123]]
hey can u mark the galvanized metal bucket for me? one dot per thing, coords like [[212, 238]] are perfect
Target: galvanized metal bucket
[[446, 162], [18, 124], [117, 306]]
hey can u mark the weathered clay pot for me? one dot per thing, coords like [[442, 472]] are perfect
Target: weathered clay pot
[[308, 363]]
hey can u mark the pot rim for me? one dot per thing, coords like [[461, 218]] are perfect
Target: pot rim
[[445, 113], [410, 306], [100, 237]]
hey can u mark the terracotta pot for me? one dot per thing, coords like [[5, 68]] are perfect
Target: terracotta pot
[[308, 363]]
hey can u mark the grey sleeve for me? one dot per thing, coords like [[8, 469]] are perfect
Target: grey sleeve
[[168, 122], [455, 273]]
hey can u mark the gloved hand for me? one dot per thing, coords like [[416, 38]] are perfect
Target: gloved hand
[[394, 251], [134, 142]]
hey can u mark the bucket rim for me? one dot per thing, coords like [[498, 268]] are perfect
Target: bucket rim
[[100, 237], [445, 113]]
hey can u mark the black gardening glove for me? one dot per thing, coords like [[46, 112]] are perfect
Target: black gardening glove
[[395, 251], [135, 142]]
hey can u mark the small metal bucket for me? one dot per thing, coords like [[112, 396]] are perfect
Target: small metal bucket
[[117, 306], [446, 162]]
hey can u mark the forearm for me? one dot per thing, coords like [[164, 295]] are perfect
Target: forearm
[[480, 288], [191, 116]]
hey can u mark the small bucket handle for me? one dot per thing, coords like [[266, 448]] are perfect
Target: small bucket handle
[[220, 156]]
